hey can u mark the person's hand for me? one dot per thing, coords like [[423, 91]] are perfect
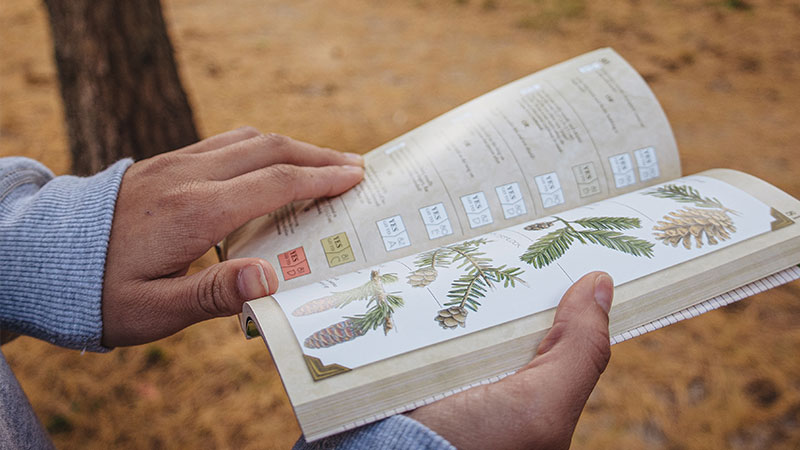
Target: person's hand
[[174, 207], [539, 406]]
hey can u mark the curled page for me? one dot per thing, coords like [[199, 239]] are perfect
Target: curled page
[[572, 134]]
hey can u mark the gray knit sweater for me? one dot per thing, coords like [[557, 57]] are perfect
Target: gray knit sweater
[[54, 235]]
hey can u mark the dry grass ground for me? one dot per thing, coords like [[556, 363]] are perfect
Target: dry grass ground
[[353, 74]]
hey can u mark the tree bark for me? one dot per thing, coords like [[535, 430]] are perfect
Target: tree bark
[[119, 81]]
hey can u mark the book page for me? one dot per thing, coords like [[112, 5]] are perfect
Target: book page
[[400, 383], [572, 134], [454, 290]]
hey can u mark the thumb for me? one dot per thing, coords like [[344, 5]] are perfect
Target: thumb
[[220, 290], [581, 319], [167, 305], [576, 350], [539, 406]]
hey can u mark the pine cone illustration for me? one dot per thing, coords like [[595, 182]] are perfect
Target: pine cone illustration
[[684, 224], [422, 277], [388, 324], [344, 331], [539, 226], [317, 305], [452, 317]]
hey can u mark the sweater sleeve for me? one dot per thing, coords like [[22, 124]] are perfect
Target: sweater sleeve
[[397, 433], [54, 235]]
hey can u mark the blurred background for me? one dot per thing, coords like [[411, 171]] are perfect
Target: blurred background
[[353, 74]]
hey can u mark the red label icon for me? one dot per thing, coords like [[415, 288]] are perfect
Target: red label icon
[[294, 264]]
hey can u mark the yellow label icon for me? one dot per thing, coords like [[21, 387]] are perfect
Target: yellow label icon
[[337, 249]]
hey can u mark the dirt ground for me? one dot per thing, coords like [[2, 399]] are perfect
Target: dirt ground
[[352, 74]]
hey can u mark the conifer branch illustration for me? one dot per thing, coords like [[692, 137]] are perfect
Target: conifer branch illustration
[[709, 219], [609, 223], [380, 308], [427, 262], [687, 194], [603, 231], [343, 298], [465, 291]]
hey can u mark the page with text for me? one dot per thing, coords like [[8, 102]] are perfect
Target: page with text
[[583, 130]]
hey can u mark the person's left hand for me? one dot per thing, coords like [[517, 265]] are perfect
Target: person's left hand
[[174, 207]]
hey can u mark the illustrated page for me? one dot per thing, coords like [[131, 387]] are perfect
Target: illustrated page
[[581, 131], [459, 288]]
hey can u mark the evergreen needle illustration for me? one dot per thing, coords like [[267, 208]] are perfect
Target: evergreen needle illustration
[[603, 231], [427, 262], [380, 307], [687, 194], [465, 291], [341, 299]]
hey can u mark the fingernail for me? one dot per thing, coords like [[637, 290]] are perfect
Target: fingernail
[[354, 169], [354, 159], [604, 291], [253, 282]]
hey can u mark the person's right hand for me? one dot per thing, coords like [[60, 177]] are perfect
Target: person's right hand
[[174, 207], [539, 406]]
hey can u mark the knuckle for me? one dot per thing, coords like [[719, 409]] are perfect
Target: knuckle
[[284, 178], [248, 131], [194, 207], [211, 193], [158, 165], [284, 174], [218, 211], [331, 154], [275, 140], [275, 144], [599, 351], [183, 197], [210, 294]]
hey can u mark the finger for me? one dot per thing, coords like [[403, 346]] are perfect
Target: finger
[[221, 140], [263, 191], [175, 303], [268, 149]]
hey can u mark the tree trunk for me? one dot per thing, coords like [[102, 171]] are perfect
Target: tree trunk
[[120, 85]]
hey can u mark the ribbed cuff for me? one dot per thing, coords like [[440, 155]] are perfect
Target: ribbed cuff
[[53, 243], [396, 432]]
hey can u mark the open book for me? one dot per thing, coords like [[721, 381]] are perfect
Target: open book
[[441, 270]]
